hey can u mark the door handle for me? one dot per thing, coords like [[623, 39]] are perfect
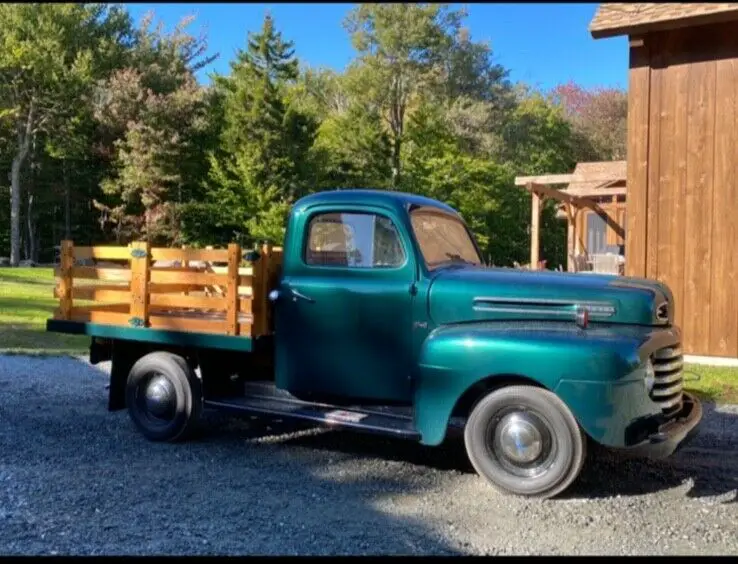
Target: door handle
[[296, 295]]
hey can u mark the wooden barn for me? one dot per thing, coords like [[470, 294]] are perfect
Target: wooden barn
[[682, 165]]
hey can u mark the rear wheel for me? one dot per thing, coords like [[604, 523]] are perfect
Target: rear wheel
[[163, 396], [524, 441]]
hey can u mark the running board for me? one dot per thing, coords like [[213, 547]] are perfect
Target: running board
[[281, 404]]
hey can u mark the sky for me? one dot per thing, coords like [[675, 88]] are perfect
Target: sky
[[540, 44]]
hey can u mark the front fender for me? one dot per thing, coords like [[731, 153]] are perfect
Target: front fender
[[592, 370]]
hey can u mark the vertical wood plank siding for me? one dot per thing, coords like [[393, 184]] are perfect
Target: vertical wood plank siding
[[682, 200]]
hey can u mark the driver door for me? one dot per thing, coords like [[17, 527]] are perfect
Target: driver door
[[345, 322]]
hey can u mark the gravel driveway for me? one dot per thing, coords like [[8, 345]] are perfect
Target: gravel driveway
[[76, 479]]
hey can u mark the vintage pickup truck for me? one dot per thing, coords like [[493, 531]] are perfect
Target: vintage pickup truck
[[378, 315]]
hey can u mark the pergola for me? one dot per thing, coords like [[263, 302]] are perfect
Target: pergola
[[589, 187]]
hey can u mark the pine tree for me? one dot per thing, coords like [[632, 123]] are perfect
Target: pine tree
[[265, 141]]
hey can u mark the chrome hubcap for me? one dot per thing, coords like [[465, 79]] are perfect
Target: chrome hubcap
[[520, 441], [159, 397]]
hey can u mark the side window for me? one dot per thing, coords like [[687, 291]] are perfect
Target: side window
[[358, 240]]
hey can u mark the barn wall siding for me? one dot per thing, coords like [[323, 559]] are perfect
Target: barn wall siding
[[682, 196]]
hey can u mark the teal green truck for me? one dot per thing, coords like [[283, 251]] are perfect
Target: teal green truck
[[386, 320]]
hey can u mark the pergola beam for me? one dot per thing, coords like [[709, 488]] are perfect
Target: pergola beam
[[576, 201], [563, 179], [573, 204]]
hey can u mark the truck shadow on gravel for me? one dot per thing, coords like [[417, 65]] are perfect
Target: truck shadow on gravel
[[86, 482], [708, 464]]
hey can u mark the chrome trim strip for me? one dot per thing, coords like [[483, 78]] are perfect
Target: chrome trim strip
[[499, 304], [530, 311]]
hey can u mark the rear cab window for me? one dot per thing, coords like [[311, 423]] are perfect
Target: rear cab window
[[353, 240]]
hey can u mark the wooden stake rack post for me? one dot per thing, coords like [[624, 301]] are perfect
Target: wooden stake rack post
[[208, 291]]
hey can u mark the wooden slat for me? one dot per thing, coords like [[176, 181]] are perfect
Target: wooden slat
[[244, 305], [637, 182], [101, 273], [185, 263], [66, 280], [196, 278], [199, 325], [243, 271], [110, 307], [204, 255], [275, 270], [245, 329], [697, 256], [653, 213], [173, 288], [102, 253], [103, 317], [262, 317], [180, 301], [177, 268], [102, 293], [234, 259], [140, 269], [723, 305]]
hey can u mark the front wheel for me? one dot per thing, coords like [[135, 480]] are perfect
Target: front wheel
[[525, 441]]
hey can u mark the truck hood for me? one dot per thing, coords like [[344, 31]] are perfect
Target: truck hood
[[467, 293]]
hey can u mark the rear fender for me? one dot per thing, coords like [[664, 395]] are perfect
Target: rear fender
[[455, 358]]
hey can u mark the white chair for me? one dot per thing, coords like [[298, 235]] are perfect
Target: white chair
[[606, 264]]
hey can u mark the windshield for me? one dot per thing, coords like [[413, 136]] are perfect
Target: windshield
[[443, 239]]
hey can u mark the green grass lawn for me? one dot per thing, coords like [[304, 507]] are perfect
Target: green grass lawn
[[27, 301]]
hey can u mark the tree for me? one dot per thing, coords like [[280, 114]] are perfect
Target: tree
[[437, 165], [537, 139], [48, 59], [155, 111], [401, 48], [265, 144], [599, 116]]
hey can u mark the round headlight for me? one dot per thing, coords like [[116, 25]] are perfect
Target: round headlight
[[649, 376]]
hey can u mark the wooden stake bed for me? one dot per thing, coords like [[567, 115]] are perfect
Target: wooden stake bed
[[211, 291]]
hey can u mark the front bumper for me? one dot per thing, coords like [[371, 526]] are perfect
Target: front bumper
[[672, 435]]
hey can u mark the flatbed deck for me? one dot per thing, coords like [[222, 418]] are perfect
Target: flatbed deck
[[205, 297]]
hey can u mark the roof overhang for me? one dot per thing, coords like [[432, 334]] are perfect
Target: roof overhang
[[690, 15]]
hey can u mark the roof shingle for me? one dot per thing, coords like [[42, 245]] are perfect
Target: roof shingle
[[613, 19]]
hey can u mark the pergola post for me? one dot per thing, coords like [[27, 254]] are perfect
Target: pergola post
[[535, 221], [570, 235]]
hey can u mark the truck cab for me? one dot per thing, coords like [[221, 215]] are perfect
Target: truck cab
[[385, 319]]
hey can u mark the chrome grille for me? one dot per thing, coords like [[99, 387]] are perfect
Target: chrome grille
[[669, 379]]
